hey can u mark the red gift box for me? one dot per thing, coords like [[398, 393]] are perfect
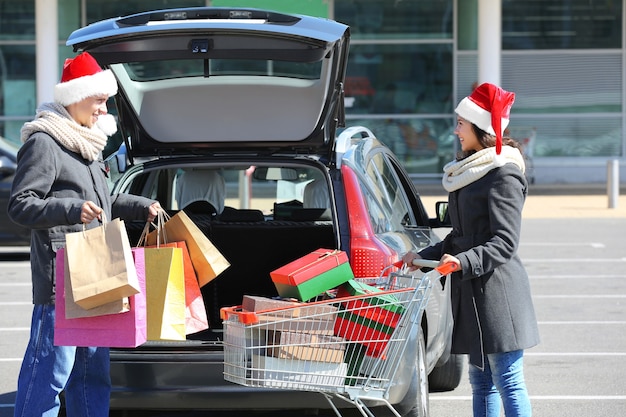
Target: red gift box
[[371, 320], [312, 274]]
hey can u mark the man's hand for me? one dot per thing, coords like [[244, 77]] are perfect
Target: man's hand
[[153, 211], [89, 211]]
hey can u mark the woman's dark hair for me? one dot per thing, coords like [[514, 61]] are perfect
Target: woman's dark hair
[[486, 141]]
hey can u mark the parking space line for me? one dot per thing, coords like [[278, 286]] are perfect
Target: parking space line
[[573, 260], [595, 245], [14, 329], [15, 303], [540, 397], [577, 354], [577, 276], [578, 322], [586, 296]]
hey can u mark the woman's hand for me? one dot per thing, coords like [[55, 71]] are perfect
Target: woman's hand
[[447, 258], [408, 260]]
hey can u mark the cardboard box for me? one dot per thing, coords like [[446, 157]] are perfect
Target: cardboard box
[[304, 346], [255, 303], [312, 274], [299, 325], [288, 308], [297, 374]]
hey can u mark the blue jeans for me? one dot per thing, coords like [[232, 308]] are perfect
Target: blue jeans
[[83, 372], [502, 381]]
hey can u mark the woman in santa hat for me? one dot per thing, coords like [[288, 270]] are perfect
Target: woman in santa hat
[[494, 317], [59, 186]]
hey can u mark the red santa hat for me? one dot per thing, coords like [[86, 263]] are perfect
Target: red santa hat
[[489, 108], [82, 77]]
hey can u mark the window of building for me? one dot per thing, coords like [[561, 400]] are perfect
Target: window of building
[[384, 19], [558, 24], [399, 78], [17, 19]]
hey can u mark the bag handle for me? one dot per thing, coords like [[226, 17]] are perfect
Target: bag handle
[[104, 222], [162, 218]]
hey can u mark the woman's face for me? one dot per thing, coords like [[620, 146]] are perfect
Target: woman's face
[[467, 137], [86, 111]]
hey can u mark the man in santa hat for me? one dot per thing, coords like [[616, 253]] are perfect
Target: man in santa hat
[[60, 186], [494, 317]]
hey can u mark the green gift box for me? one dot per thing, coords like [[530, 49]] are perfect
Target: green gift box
[[313, 274]]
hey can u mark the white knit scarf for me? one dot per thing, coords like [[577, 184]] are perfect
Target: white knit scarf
[[458, 174], [53, 119]]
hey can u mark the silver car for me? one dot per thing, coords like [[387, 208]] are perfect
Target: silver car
[[251, 103]]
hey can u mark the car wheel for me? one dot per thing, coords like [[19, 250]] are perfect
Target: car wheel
[[447, 376], [415, 402]]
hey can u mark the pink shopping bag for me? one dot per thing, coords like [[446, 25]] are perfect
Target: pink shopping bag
[[128, 329]]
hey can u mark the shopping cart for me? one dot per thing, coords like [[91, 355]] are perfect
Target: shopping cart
[[347, 348]]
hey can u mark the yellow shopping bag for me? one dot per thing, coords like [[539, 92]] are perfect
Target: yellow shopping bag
[[165, 293]]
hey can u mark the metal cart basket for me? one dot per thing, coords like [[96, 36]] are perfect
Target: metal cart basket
[[347, 348]]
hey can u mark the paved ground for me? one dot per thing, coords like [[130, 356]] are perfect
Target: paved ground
[[558, 201]]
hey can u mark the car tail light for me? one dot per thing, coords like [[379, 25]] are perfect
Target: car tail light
[[368, 255]]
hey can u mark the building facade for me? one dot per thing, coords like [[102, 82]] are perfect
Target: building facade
[[411, 61]]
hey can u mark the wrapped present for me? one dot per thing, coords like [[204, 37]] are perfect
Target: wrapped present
[[304, 346], [312, 274], [370, 320]]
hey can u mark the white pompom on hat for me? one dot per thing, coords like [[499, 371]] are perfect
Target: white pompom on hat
[[489, 108], [82, 77]]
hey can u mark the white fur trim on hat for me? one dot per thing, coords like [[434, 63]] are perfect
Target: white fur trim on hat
[[78, 89], [475, 114]]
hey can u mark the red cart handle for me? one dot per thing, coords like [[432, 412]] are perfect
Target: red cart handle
[[443, 269]]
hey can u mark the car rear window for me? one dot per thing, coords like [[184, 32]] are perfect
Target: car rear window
[[161, 70]]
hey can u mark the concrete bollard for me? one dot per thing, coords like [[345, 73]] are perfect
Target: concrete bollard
[[612, 182]]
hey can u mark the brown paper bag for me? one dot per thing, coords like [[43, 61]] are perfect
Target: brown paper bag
[[73, 310], [101, 266], [207, 260]]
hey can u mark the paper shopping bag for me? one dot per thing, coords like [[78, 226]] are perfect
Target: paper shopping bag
[[195, 312], [101, 265], [127, 329], [207, 260], [165, 293]]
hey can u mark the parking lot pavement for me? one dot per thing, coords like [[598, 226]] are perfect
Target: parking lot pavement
[[577, 272], [577, 267], [551, 201]]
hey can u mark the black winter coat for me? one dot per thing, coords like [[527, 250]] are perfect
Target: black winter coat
[[491, 299]]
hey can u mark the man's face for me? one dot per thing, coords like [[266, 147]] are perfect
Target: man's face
[[86, 111]]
